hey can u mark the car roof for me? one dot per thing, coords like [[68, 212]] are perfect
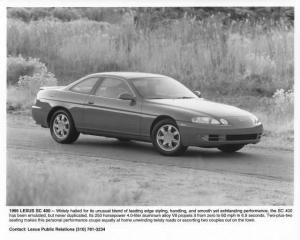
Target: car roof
[[127, 75]]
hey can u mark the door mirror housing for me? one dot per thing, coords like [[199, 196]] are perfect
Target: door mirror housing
[[127, 96], [198, 93]]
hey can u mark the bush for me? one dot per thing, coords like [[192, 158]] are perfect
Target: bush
[[39, 13], [95, 14], [277, 115], [32, 84], [65, 14], [284, 102], [31, 74], [19, 66], [22, 14]]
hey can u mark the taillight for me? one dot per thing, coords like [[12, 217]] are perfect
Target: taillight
[[36, 98]]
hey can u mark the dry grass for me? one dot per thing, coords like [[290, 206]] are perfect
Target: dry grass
[[33, 180], [18, 99], [236, 58], [37, 185]]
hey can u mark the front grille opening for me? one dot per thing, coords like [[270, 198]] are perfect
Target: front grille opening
[[259, 135], [241, 137], [236, 137], [213, 138]]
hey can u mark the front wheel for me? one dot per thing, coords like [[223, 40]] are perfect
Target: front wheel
[[62, 127], [166, 138], [231, 148]]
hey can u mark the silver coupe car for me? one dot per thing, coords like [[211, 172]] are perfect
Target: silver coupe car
[[144, 107]]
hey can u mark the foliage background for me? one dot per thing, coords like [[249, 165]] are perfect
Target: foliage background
[[241, 56]]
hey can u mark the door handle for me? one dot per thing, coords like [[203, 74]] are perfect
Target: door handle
[[90, 102]]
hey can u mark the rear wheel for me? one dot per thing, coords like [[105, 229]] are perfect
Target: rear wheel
[[62, 127], [166, 138], [231, 148]]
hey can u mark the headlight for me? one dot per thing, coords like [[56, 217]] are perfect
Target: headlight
[[256, 120], [224, 121], [209, 120]]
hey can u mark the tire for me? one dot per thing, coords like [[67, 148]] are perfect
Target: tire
[[166, 138], [231, 148], [62, 127], [123, 139]]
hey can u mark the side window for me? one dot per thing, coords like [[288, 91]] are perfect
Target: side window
[[85, 86], [112, 88]]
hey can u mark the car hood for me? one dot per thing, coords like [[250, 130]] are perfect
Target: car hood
[[203, 107]]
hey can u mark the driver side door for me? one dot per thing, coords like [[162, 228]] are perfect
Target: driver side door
[[107, 113]]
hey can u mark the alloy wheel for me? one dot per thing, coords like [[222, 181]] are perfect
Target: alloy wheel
[[61, 126], [168, 137]]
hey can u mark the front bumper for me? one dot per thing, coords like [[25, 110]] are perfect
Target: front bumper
[[193, 134]]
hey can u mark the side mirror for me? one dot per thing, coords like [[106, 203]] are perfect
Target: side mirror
[[198, 93], [127, 96]]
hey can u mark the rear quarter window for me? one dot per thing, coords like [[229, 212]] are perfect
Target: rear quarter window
[[85, 86]]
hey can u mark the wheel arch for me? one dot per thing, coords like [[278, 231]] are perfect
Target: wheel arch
[[53, 110], [159, 118]]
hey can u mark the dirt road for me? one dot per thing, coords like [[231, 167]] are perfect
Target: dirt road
[[265, 163], [271, 165]]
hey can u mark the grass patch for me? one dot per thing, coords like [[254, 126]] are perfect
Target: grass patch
[[136, 183], [39, 185]]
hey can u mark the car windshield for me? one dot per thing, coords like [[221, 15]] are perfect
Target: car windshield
[[161, 88]]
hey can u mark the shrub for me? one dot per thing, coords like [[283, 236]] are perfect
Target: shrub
[[19, 66], [284, 102], [65, 14], [39, 13], [21, 97], [31, 74], [277, 115], [19, 13], [95, 14], [32, 84]]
